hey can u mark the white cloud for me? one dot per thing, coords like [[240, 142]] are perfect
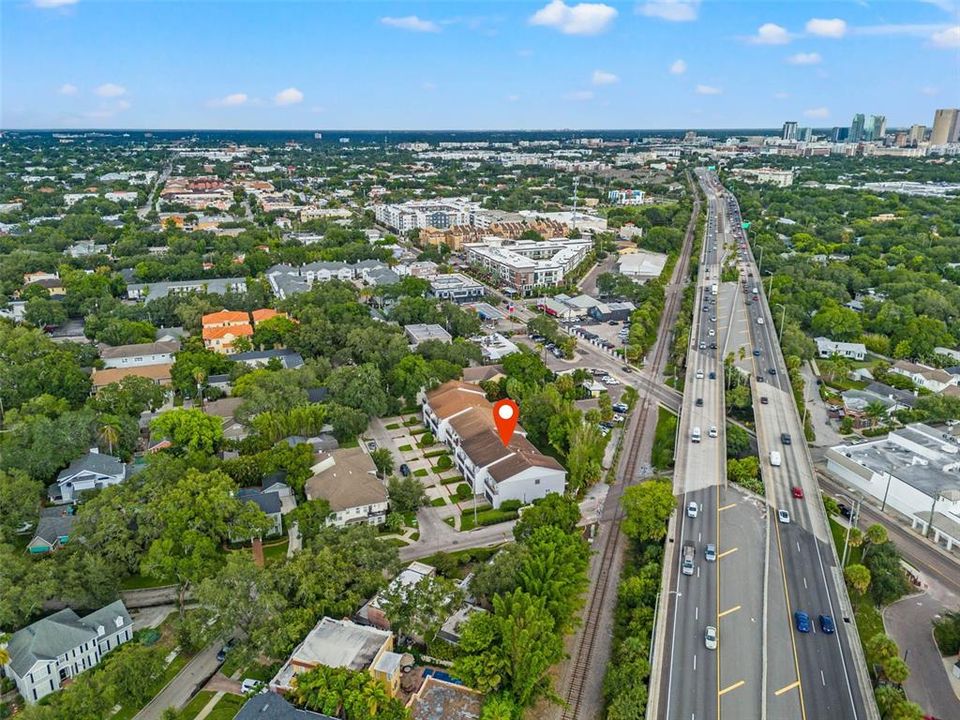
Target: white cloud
[[602, 77], [110, 90], [818, 113], [781, 95], [580, 19], [949, 38], [929, 90], [231, 100], [679, 67], [672, 10], [412, 23], [67, 89], [580, 95], [290, 96], [805, 59], [832, 28], [708, 90], [771, 34], [53, 3], [512, 98]]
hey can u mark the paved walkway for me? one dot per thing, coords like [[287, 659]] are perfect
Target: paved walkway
[[908, 621], [179, 690], [826, 432]]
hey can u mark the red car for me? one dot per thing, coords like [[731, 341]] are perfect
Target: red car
[[797, 492]]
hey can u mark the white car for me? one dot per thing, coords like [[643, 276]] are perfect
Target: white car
[[699, 374], [692, 509], [249, 686], [712, 332], [783, 516], [710, 638], [610, 381], [618, 418], [712, 432]]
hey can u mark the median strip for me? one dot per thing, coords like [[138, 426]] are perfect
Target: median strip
[[788, 688], [732, 687]]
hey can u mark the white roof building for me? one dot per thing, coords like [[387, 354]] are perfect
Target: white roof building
[[641, 265], [828, 348]]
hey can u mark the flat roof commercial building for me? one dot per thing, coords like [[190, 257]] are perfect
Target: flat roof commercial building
[[456, 287], [522, 266]]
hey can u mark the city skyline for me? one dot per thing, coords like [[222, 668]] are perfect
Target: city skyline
[[657, 65]]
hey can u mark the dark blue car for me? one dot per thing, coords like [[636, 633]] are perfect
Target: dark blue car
[[802, 620], [826, 625]]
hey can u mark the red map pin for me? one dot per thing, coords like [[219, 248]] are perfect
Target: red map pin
[[505, 416]]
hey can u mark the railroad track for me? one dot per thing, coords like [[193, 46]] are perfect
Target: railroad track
[[582, 658]]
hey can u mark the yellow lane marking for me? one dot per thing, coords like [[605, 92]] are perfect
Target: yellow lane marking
[[731, 610], [732, 687], [788, 688], [727, 552], [727, 507]]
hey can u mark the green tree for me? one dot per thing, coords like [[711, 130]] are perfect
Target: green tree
[[420, 609], [876, 534], [190, 429], [347, 694], [359, 387], [857, 577], [407, 494], [133, 670], [383, 460], [19, 502], [648, 506], [554, 510], [311, 517], [882, 647], [896, 670]]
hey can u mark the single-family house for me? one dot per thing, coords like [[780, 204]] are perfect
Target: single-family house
[[160, 374], [343, 644], [483, 373], [827, 348], [346, 479], [44, 655], [273, 706], [276, 483], [93, 471], [372, 612], [460, 416], [933, 379], [53, 530], [268, 503], [288, 359], [139, 354], [222, 329], [443, 700]]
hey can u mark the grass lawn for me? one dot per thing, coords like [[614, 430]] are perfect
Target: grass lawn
[[139, 582], [449, 521], [438, 502], [276, 551], [664, 439], [414, 536], [393, 426], [126, 712], [451, 480], [227, 708], [405, 448], [193, 707], [395, 542], [420, 472]]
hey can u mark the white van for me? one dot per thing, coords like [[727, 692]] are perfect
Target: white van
[[759, 321], [775, 459], [695, 435]]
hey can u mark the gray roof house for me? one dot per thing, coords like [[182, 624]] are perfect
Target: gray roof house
[[93, 471], [273, 706], [269, 503], [259, 358], [63, 645], [53, 530]]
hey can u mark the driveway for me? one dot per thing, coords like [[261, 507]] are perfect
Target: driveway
[[908, 621], [179, 690], [436, 536]]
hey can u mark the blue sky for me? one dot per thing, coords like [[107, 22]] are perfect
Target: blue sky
[[474, 65]]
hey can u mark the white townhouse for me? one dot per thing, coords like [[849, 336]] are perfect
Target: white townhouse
[[155, 353], [63, 645], [93, 471], [933, 379], [460, 416]]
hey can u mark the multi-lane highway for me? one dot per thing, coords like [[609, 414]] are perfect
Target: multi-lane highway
[[807, 674]]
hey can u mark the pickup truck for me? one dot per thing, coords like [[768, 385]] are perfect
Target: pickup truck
[[686, 566]]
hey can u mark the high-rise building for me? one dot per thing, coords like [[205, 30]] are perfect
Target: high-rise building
[[856, 129], [946, 127], [917, 134], [875, 127], [789, 131], [839, 134], [805, 134]]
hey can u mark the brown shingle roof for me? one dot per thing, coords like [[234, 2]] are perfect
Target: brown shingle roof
[[110, 352], [159, 373], [349, 483], [455, 396]]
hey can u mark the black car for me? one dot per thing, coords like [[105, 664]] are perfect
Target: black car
[[699, 402], [713, 375], [785, 438], [772, 371], [405, 470], [845, 511], [627, 369], [756, 353], [227, 647], [713, 346]]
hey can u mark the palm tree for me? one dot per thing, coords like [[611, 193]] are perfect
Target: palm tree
[[875, 410], [199, 375], [110, 431]]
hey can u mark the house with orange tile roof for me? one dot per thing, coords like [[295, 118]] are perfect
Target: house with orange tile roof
[[460, 416], [225, 318], [265, 314], [221, 338]]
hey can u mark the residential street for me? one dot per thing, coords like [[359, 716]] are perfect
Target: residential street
[[908, 622], [826, 433], [181, 688]]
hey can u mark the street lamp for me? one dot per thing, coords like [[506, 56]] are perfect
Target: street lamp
[[760, 262], [854, 520], [951, 495], [783, 317]]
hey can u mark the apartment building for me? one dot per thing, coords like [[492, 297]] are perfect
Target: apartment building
[[460, 416], [437, 213], [524, 265]]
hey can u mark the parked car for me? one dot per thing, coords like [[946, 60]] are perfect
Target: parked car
[[802, 620], [404, 469], [227, 647], [764, 400], [845, 511], [627, 369], [618, 418], [699, 402], [620, 407], [249, 686]]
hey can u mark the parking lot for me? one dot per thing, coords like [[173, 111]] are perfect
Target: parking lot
[[610, 335]]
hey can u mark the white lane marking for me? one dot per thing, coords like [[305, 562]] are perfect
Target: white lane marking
[[700, 537], [798, 546], [805, 584], [823, 679], [694, 662], [698, 571], [696, 613]]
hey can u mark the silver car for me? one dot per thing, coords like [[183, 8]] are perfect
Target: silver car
[[710, 638]]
